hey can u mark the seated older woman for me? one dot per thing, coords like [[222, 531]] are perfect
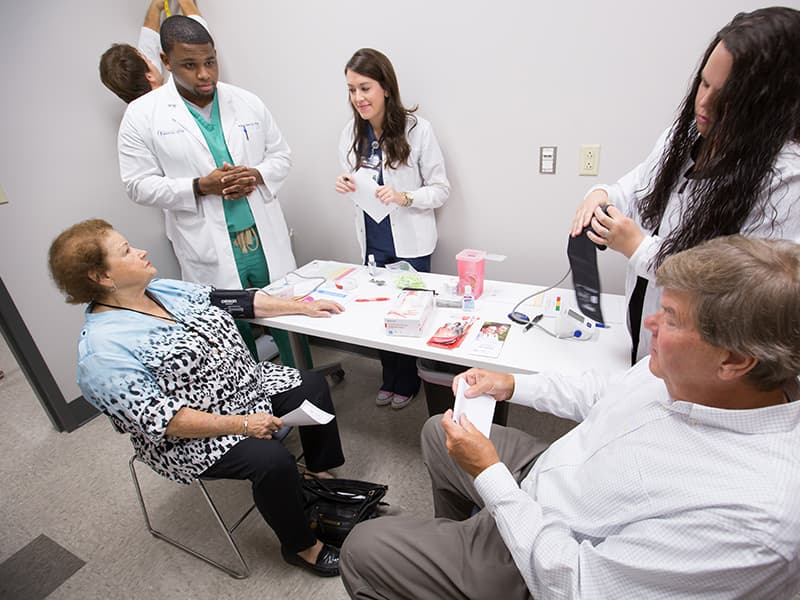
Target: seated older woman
[[164, 360]]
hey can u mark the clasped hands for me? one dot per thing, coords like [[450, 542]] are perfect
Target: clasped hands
[[614, 229], [384, 193], [230, 182], [472, 450]]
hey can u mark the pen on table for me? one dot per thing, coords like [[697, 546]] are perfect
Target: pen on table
[[413, 289], [372, 299], [533, 322]]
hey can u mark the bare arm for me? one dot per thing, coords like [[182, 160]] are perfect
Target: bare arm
[[152, 19], [189, 7], [265, 305], [191, 423]]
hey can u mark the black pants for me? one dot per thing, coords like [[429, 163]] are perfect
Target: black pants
[[277, 486], [399, 370]]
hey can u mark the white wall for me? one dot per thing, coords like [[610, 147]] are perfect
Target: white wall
[[497, 80]]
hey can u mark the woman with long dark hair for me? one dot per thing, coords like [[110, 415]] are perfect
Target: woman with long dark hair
[[729, 164], [403, 156]]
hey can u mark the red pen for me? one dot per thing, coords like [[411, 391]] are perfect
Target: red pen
[[372, 299]]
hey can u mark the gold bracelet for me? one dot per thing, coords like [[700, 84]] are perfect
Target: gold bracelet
[[246, 418]]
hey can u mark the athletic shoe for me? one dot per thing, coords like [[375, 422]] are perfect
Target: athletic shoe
[[383, 398], [399, 401]]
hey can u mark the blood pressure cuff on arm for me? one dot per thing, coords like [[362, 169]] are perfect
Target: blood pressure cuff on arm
[[237, 303]]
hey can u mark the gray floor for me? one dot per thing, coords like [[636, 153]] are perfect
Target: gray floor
[[75, 490]]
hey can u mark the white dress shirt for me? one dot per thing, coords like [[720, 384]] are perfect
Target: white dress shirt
[[650, 497]]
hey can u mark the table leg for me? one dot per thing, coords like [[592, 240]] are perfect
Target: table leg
[[296, 343]]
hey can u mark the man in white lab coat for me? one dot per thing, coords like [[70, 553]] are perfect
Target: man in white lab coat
[[211, 156]]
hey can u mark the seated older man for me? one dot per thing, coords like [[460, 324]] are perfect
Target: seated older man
[[682, 479]]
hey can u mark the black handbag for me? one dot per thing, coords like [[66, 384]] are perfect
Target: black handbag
[[334, 506]]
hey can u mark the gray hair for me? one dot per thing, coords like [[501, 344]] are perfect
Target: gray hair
[[746, 295]]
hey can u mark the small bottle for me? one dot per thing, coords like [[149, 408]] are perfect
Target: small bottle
[[468, 300], [372, 267]]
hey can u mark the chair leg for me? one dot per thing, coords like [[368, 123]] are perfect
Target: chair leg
[[243, 573]]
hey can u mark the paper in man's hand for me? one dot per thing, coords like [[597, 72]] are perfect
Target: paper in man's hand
[[478, 410]]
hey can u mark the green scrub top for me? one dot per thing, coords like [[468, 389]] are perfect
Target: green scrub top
[[238, 215]]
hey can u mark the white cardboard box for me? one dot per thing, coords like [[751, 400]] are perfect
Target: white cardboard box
[[409, 313]]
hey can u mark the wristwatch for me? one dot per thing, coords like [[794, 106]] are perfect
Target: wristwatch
[[409, 196]]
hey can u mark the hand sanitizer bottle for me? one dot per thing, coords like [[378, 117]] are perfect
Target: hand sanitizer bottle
[[372, 267], [468, 300]]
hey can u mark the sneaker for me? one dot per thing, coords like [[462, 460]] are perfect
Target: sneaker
[[383, 398], [399, 401]]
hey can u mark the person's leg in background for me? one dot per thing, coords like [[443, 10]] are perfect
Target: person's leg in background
[[253, 272], [388, 359], [406, 379]]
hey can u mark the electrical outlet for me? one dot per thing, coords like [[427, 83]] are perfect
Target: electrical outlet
[[589, 160]]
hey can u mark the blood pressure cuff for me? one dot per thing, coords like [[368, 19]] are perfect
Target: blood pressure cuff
[[237, 303], [582, 255]]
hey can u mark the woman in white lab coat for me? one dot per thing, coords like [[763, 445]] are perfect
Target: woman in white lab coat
[[404, 158], [729, 164]]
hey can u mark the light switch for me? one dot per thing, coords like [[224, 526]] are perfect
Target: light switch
[[547, 160], [3, 197]]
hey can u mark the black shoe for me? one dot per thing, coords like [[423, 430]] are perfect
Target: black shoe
[[327, 564]]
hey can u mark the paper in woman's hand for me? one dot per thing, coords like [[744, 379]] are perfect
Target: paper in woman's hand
[[306, 414], [364, 196], [479, 410]]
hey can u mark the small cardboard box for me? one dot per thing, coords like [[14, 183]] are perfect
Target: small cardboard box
[[409, 313]]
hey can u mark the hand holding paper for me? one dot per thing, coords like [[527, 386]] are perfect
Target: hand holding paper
[[467, 446], [479, 410], [365, 198]]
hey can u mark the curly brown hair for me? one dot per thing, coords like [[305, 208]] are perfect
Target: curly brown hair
[[74, 254]]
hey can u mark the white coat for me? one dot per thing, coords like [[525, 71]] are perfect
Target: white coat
[[161, 150], [413, 228], [776, 215]]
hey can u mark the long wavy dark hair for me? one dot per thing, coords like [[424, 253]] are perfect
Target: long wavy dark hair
[[373, 64], [757, 111]]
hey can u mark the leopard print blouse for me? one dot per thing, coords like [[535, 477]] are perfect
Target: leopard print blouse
[[140, 371]]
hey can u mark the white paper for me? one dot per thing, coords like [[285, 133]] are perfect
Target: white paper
[[479, 410], [364, 196], [306, 414]]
